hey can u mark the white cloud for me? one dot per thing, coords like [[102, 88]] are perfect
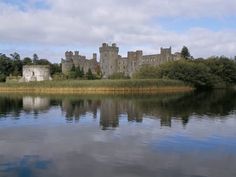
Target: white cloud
[[87, 24]]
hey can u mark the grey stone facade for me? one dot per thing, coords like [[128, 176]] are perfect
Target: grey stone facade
[[78, 60], [111, 62], [35, 73]]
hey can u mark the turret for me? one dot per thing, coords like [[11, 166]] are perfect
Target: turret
[[166, 51], [94, 56], [76, 53], [139, 54], [108, 59]]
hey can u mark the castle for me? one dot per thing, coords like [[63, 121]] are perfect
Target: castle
[[111, 62]]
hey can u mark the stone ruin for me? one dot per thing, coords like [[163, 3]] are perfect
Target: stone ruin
[[35, 73]]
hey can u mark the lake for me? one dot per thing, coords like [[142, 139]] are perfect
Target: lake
[[166, 135]]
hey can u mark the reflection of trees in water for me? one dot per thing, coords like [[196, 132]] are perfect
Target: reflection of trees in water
[[217, 104], [213, 104], [9, 105], [15, 105]]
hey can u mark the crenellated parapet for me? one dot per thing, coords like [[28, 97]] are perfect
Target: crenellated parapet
[[106, 47], [166, 51]]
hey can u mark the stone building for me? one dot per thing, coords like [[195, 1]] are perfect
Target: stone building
[[79, 61], [35, 73], [111, 62]]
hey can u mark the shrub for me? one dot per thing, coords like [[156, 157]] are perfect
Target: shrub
[[118, 75]]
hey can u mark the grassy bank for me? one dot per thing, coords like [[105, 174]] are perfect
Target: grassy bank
[[97, 86]]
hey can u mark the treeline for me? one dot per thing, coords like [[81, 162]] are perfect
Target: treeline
[[214, 72], [12, 65]]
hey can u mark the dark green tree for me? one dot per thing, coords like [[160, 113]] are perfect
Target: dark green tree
[[89, 75], [35, 58], [185, 53], [82, 72], [78, 71], [72, 74], [55, 68], [5, 65], [42, 62], [27, 61], [16, 64]]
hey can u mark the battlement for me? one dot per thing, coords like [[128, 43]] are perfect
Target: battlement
[[69, 55], [166, 51], [131, 55], [106, 47]]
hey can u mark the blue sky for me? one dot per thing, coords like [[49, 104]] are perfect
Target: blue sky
[[50, 27]]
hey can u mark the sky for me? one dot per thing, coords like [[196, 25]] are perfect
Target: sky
[[51, 27]]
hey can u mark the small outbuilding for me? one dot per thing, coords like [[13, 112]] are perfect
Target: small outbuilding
[[35, 73]]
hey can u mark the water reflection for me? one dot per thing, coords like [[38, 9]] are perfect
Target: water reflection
[[60, 136], [27, 166], [110, 109], [35, 103]]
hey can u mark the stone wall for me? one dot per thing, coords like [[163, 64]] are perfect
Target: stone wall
[[111, 62], [35, 73], [79, 61]]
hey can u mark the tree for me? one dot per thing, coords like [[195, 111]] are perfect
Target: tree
[[35, 58], [27, 61], [78, 72], [185, 53], [42, 62], [72, 74], [15, 56], [89, 74], [55, 68], [5, 65], [16, 64], [82, 72]]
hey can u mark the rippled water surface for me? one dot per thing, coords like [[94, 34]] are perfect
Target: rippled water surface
[[166, 135]]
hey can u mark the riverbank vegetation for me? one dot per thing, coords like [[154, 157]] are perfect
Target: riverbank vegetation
[[11, 66], [98, 86], [214, 72]]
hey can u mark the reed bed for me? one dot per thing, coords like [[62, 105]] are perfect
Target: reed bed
[[97, 86]]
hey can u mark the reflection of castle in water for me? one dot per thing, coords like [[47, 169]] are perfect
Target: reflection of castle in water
[[75, 108], [110, 111], [35, 103]]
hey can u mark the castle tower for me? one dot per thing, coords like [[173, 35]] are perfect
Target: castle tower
[[166, 54], [108, 59], [67, 64], [166, 51]]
